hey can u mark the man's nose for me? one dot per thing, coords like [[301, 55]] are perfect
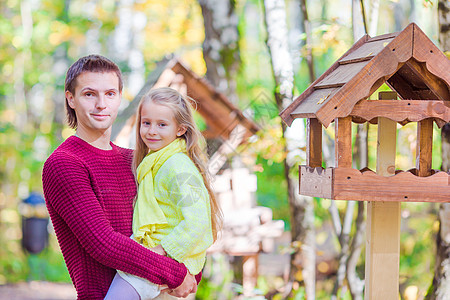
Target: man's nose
[[101, 102]]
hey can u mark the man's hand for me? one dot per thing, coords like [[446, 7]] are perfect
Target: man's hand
[[188, 286]]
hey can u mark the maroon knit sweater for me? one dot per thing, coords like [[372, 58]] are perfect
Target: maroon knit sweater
[[89, 194]]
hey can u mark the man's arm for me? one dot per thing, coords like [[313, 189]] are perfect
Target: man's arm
[[68, 190]]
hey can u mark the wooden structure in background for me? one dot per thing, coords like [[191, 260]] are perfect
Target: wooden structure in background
[[220, 115], [418, 74]]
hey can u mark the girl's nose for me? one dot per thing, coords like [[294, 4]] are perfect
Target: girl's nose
[[151, 130]]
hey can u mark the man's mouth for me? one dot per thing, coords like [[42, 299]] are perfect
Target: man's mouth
[[99, 116]]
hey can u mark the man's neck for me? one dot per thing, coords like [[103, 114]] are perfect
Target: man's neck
[[98, 139]]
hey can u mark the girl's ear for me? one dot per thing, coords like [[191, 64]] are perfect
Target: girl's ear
[[181, 130]]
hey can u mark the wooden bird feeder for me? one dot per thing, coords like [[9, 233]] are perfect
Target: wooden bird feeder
[[418, 74]]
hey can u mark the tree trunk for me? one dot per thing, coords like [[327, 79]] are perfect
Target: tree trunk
[[221, 45], [441, 282], [302, 213], [444, 24], [308, 46]]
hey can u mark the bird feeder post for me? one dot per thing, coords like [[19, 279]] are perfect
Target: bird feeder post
[[383, 223]]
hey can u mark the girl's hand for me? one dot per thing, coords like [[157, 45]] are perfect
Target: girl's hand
[[159, 249]]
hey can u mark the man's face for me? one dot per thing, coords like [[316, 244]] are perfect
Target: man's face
[[96, 101]]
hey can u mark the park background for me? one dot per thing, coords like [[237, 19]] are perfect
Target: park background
[[225, 41]]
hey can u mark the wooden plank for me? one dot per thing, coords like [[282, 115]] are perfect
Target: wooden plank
[[402, 111], [351, 184], [383, 36], [316, 182], [286, 113], [408, 85], [372, 76], [314, 143], [341, 75], [387, 95], [368, 50], [434, 83], [383, 225], [343, 142], [309, 106], [425, 51], [424, 147]]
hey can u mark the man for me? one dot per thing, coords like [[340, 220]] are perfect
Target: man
[[89, 189]]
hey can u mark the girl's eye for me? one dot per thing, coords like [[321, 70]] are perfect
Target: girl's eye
[[89, 94], [162, 125]]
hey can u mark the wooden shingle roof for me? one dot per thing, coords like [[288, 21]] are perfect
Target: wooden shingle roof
[[407, 61]]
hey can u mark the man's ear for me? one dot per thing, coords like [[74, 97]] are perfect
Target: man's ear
[[69, 98], [181, 130]]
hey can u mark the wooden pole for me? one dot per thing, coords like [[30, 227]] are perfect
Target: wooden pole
[[250, 273], [314, 143], [343, 145], [424, 147], [383, 226]]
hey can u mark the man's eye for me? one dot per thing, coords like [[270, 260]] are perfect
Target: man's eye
[[111, 94]]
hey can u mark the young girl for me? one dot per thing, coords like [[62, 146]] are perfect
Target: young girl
[[176, 213]]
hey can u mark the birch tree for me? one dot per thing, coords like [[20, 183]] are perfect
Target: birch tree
[[302, 212], [440, 288]]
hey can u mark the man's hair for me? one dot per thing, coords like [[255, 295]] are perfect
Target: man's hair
[[89, 63]]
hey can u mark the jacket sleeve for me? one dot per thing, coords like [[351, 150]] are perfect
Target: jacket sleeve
[[193, 235], [67, 188]]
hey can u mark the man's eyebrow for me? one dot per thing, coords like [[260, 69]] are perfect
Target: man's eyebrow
[[92, 89], [88, 88]]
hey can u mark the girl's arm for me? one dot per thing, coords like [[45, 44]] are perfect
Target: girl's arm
[[193, 235]]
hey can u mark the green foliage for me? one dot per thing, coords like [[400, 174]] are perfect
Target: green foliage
[[41, 38], [270, 194]]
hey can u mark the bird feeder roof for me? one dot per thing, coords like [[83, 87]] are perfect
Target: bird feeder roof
[[407, 61]]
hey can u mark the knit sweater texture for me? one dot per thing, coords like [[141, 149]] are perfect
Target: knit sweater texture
[[89, 194]]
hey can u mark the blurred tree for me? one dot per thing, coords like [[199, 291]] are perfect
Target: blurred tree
[[351, 246], [440, 288], [221, 45], [303, 258]]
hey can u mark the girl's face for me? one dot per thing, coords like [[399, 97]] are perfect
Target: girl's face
[[158, 126]]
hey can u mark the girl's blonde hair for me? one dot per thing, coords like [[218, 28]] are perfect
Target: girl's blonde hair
[[182, 111]]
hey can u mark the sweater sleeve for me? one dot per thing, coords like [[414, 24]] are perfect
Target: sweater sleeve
[[67, 188]]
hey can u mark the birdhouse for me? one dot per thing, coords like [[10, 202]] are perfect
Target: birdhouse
[[418, 75]]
